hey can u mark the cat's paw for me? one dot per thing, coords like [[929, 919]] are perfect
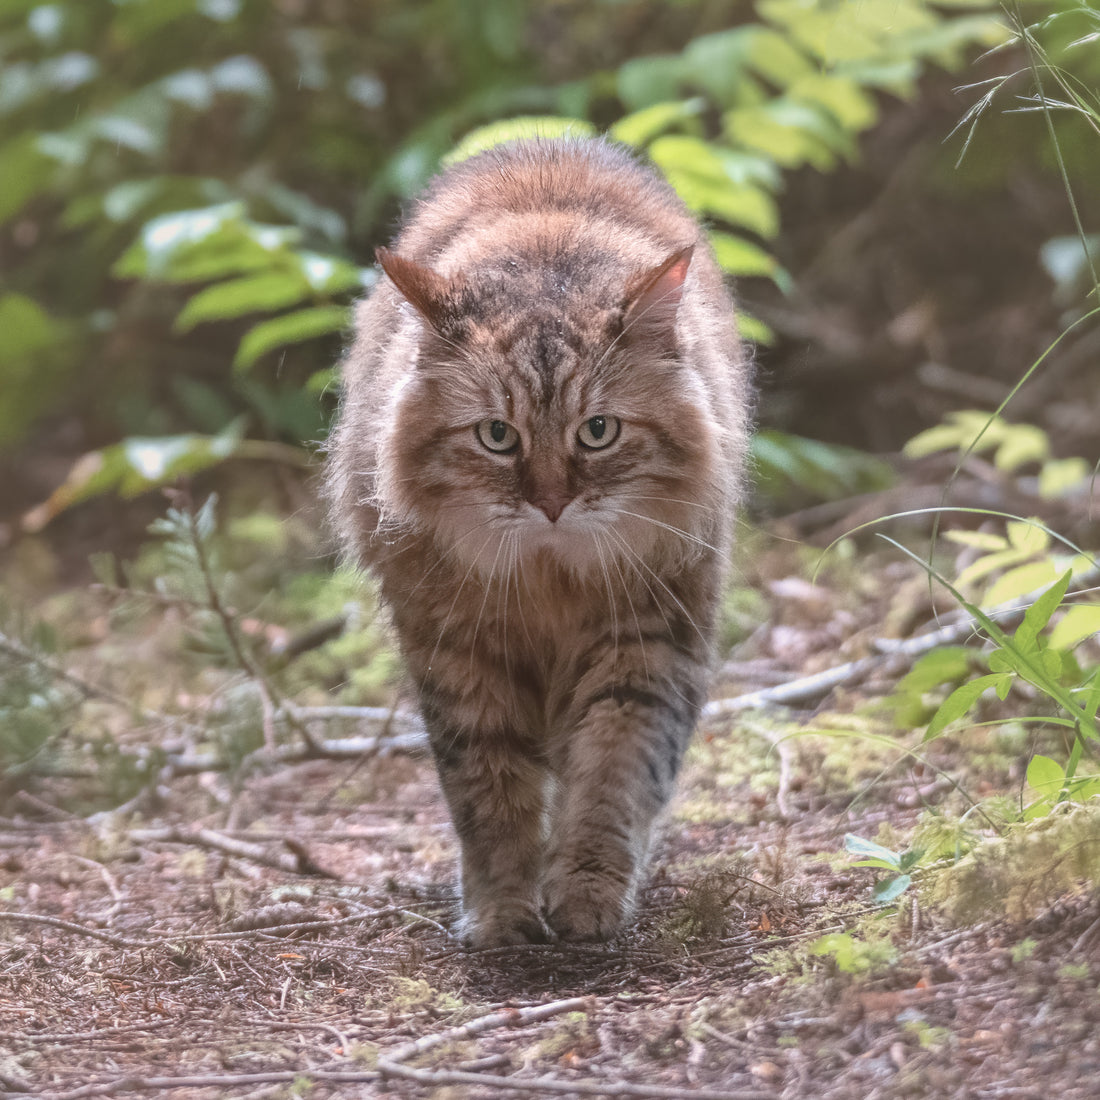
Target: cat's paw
[[502, 926], [587, 906]]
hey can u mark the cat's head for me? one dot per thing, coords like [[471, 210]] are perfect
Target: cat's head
[[551, 412]]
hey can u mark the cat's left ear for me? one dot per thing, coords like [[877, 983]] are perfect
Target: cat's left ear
[[654, 295], [427, 291]]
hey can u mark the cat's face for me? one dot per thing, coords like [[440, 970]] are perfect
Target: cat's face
[[574, 434]]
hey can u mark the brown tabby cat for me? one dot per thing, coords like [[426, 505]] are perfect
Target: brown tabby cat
[[538, 454]]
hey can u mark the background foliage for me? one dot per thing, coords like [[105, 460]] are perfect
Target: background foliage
[[189, 189]]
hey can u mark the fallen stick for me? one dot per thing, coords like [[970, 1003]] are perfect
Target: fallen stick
[[391, 1064], [295, 862]]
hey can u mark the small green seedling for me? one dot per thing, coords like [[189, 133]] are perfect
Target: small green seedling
[[899, 864]]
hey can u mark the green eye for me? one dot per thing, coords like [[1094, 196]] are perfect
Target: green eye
[[497, 435], [598, 432]]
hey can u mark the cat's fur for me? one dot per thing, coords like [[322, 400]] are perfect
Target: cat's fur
[[555, 604]]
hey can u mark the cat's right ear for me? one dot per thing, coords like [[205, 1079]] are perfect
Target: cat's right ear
[[427, 291]]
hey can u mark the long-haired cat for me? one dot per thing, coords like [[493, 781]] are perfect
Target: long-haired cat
[[538, 454]]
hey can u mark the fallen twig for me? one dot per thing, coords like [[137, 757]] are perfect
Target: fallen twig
[[392, 1064], [210, 1081], [70, 926], [295, 862]]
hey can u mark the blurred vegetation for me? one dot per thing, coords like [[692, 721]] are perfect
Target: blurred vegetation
[[189, 189]]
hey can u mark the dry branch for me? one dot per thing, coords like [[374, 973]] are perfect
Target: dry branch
[[295, 862], [391, 1064], [210, 1081]]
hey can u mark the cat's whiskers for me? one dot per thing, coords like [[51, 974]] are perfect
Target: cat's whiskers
[[487, 585], [638, 560], [610, 595], [454, 603], [687, 535], [625, 589], [668, 500], [445, 559]]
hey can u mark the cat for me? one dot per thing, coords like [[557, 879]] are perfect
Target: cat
[[538, 453]]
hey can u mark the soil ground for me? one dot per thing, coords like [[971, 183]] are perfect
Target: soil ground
[[143, 953]]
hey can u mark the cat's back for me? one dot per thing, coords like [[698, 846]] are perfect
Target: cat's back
[[579, 194]]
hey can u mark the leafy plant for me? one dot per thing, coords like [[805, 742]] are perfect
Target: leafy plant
[[1012, 447], [900, 866], [201, 173]]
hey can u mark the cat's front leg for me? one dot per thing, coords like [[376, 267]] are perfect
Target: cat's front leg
[[621, 761], [495, 786]]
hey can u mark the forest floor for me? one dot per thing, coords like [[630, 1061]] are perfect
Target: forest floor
[[281, 929]]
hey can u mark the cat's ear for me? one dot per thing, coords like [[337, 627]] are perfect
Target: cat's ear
[[423, 288], [654, 296]]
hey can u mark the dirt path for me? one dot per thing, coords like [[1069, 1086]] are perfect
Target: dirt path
[[135, 965]]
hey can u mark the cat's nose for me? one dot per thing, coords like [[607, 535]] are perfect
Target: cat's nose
[[551, 503]]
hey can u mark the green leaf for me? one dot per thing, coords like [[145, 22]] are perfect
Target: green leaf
[[1039, 614], [960, 701], [737, 256], [27, 329], [843, 98], [641, 127], [242, 75], [718, 63], [1023, 443], [859, 846], [890, 889], [31, 371], [293, 328], [135, 466], [946, 665], [514, 129], [25, 170], [754, 330], [263, 293], [791, 133], [1061, 476], [1044, 775], [1021, 581], [700, 176], [1077, 624], [965, 429], [207, 243], [168, 234], [644, 81]]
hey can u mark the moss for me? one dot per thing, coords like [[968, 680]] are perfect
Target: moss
[[1024, 871]]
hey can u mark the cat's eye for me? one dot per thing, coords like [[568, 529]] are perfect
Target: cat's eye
[[497, 435], [598, 432]]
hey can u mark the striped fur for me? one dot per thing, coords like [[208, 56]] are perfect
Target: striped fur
[[554, 602]]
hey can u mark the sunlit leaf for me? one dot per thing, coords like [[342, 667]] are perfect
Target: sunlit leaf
[[263, 293], [843, 98], [1022, 443], [133, 467], [513, 129], [738, 256], [869, 849], [641, 127], [1044, 775], [1078, 623], [701, 178], [292, 328], [1021, 581], [242, 75], [1059, 476], [1039, 614]]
